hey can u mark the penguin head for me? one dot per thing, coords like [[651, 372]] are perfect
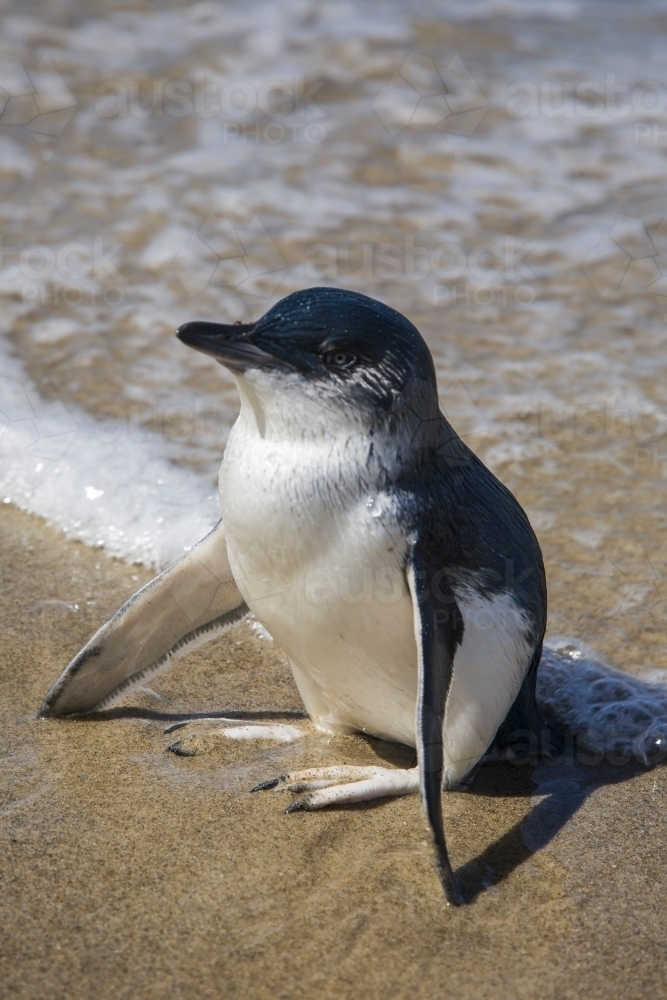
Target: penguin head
[[329, 347]]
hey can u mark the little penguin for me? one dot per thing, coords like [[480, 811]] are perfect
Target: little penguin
[[401, 578]]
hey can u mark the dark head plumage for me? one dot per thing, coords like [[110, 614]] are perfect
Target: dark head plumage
[[328, 335]]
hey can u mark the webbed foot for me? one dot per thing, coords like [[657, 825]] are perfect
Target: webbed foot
[[200, 742], [342, 785]]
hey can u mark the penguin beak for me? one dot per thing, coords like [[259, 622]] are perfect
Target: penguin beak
[[230, 345]]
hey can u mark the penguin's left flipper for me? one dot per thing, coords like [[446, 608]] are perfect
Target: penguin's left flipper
[[191, 601], [438, 632]]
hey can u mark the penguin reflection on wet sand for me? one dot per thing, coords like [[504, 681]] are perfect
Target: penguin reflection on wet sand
[[341, 469]]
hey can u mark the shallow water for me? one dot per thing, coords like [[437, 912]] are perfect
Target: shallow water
[[495, 170], [204, 160]]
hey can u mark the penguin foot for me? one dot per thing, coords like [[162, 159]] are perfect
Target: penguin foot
[[196, 743], [342, 785]]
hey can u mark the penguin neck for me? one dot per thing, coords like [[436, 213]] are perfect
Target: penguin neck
[[284, 407], [283, 410]]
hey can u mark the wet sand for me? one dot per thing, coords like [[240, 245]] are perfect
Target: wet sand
[[127, 871]]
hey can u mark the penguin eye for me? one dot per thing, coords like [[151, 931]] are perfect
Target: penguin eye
[[340, 359]]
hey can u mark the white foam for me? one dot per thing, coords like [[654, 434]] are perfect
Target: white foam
[[609, 712], [95, 481]]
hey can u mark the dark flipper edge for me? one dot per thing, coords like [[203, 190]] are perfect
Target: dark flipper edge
[[438, 631], [193, 600]]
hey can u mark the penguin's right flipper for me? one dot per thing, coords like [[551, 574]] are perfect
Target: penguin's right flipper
[[196, 595]]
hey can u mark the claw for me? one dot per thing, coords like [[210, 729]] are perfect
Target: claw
[[269, 783], [178, 748], [299, 805]]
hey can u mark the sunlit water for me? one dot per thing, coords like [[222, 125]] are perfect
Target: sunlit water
[[495, 170]]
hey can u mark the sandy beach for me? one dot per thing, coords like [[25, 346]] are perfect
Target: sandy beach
[[130, 871], [494, 170]]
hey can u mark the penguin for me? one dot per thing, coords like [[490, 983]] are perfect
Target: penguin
[[401, 578]]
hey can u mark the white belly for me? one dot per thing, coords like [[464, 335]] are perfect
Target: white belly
[[327, 581], [330, 588]]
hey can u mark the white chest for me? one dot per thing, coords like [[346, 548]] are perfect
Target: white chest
[[319, 558]]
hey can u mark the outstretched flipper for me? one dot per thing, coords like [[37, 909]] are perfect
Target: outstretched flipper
[[194, 597], [438, 632]]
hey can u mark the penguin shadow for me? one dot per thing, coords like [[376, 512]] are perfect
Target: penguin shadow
[[560, 787]]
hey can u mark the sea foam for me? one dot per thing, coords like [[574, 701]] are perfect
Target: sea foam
[[95, 481], [610, 713]]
